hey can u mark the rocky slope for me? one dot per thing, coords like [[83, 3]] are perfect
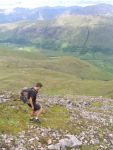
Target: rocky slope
[[90, 126]]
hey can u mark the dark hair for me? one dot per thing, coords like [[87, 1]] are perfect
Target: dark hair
[[38, 84]]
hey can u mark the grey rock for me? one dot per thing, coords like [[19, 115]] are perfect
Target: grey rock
[[111, 142], [75, 142], [71, 141], [54, 147]]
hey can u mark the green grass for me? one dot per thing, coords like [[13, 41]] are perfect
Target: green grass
[[61, 75], [86, 147], [56, 118], [96, 104], [15, 117]]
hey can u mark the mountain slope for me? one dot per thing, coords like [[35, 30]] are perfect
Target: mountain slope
[[68, 65], [67, 33], [60, 75]]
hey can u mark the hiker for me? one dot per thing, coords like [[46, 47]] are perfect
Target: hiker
[[31, 101]]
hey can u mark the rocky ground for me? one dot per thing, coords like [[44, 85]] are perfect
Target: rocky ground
[[90, 126]]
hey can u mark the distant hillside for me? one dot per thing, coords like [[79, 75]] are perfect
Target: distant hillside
[[48, 13], [60, 75], [68, 33], [68, 65]]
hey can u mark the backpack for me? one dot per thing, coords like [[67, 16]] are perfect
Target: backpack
[[24, 94]]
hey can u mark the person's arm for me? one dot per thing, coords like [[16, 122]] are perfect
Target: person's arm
[[31, 102]]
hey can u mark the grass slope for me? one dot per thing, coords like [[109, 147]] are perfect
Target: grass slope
[[19, 117], [60, 75]]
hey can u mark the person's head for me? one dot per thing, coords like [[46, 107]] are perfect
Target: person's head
[[38, 86]]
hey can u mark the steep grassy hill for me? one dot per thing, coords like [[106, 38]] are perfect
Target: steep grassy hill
[[60, 75]]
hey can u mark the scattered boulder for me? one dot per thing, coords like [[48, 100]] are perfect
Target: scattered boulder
[[69, 142]]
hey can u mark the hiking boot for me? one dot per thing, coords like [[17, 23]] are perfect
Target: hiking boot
[[36, 120], [31, 119]]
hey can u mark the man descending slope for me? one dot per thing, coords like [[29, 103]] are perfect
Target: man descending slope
[[30, 99]]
